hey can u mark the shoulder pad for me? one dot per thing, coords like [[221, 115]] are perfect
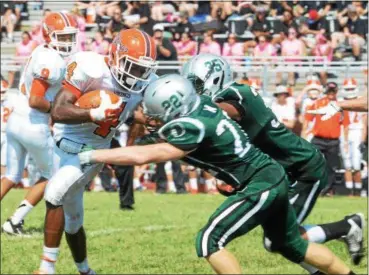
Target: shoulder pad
[[90, 63]]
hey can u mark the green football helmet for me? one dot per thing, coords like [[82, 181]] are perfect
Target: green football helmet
[[169, 97], [209, 73]]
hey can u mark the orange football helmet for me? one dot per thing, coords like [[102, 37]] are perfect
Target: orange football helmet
[[314, 88], [4, 89], [60, 32], [350, 88], [132, 58]]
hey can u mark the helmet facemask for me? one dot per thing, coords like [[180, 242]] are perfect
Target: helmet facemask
[[128, 71], [350, 92], [59, 41]]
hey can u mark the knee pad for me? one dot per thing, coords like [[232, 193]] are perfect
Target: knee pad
[[73, 223]]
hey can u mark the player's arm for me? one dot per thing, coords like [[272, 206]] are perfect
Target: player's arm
[[37, 98], [65, 110], [232, 108], [365, 128], [134, 155], [359, 104]]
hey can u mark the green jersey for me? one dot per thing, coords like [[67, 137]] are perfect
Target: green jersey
[[218, 145], [295, 154]]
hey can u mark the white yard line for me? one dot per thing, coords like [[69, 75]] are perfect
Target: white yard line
[[103, 232]]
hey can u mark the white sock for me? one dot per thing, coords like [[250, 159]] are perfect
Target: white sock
[[49, 258], [23, 209], [358, 185], [308, 268], [171, 186], [83, 267], [193, 184], [209, 184], [315, 233], [136, 183], [349, 185], [25, 182]]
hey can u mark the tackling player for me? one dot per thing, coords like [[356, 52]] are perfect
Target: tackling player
[[28, 126], [200, 133], [357, 133], [126, 72], [305, 165]]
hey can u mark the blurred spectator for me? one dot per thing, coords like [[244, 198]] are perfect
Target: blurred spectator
[[115, 24], [323, 48], [287, 23], [260, 26], [8, 22], [264, 49], [189, 7], [284, 107], [19, 7], [81, 22], [327, 133], [183, 24], [36, 33], [142, 10], [106, 8], [292, 46], [232, 47], [46, 12], [165, 49], [186, 47], [23, 50], [160, 9], [354, 31], [221, 10], [100, 45], [209, 45]]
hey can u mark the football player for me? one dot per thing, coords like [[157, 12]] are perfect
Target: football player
[[357, 133], [305, 165], [127, 71], [5, 112], [200, 133], [28, 127]]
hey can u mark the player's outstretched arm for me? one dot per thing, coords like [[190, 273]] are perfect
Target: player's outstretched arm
[[134, 155], [359, 104], [64, 110]]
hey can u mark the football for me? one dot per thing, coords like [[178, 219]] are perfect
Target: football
[[92, 99]]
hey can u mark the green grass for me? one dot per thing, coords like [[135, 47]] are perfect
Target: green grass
[[158, 237]]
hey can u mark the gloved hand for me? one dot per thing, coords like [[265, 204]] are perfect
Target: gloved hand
[[107, 110], [85, 157], [328, 111]]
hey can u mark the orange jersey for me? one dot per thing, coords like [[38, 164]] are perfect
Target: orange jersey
[[330, 128]]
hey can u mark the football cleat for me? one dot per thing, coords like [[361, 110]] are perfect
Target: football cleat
[[13, 229], [354, 238]]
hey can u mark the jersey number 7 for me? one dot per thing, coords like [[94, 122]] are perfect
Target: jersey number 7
[[104, 128]]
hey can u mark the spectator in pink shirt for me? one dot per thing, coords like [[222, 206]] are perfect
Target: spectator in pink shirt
[[232, 47], [186, 47], [81, 35], [100, 45], [291, 46], [264, 49], [323, 48], [209, 45], [36, 33]]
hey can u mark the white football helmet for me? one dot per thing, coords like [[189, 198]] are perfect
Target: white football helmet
[[209, 73], [350, 88]]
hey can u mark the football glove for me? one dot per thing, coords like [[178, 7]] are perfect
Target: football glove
[[328, 111], [107, 110], [85, 157]]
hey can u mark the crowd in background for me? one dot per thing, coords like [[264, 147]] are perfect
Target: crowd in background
[[328, 30]]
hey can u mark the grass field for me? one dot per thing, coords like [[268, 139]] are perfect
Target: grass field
[[158, 237]]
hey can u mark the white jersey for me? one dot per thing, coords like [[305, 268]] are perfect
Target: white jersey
[[46, 64], [88, 71], [284, 112], [356, 121], [6, 109]]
